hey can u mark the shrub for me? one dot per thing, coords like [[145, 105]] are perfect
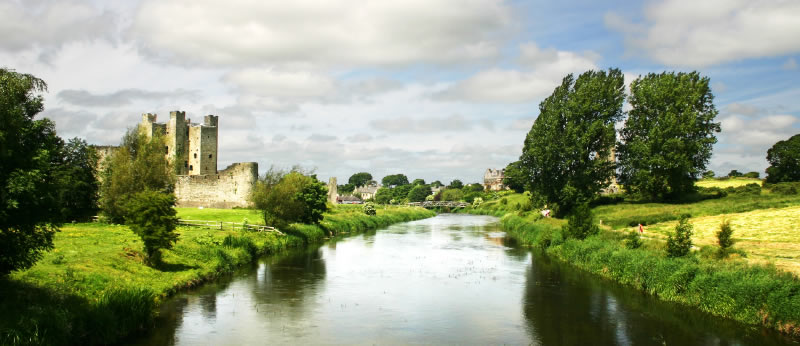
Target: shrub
[[504, 201], [724, 235], [285, 198], [633, 240], [749, 189], [581, 223], [783, 188], [369, 209], [753, 175], [477, 202], [151, 215], [679, 244]]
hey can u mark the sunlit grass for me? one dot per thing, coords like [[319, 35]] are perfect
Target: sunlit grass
[[729, 182]]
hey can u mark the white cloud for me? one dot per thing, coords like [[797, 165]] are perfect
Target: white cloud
[[704, 33], [338, 32], [426, 124], [544, 69]]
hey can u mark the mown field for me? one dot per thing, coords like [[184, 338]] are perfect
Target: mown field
[[728, 182], [94, 287]]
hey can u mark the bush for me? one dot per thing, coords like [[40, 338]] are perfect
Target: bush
[[151, 215], [679, 244], [749, 189], [753, 175], [477, 202], [783, 188], [284, 198], [725, 235], [581, 223], [633, 240], [504, 201], [369, 209]]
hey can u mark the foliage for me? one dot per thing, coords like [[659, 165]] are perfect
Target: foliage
[[680, 243], [394, 180], [138, 165], [418, 193], [735, 174], [786, 189], [288, 197], [668, 136], [725, 235], [476, 203], [749, 189], [472, 188], [753, 175], [359, 179], [418, 182], [452, 195], [151, 216], [30, 162], [581, 223], [456, 184], [400, 193], [346, 188], [708, 174], [784, 161], [514, 177], [78, 180], [369, 209], [470, 197], [383, 195], [436, 183], [633, 240], [565, 154]]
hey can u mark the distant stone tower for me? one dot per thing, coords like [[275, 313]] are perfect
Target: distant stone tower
[[191, 148], [203, 146], [333, 191]]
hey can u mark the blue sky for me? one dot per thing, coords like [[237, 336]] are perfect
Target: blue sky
[[435, 89]]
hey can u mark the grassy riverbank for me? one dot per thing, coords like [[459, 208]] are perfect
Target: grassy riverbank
[[94, 288], [754, 292]]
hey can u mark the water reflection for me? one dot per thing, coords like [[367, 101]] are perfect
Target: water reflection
[[452, 279]]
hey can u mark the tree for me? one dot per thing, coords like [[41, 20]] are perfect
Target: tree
[[514, 177], [784, 161], [753, 175], [472, 188], [284, 198], [456, 184], [452, 195], [418, 182], [679, 244], [78, 179], [735, 174], [360, 179], [566, 153], [436, 184], [400, 192], [152, 216], [418, 193], [668, 136], [725, 236], [395, 180], [708, 174], [138, 165], [383, 195], [30, 157], [346, 188], [580, 223]]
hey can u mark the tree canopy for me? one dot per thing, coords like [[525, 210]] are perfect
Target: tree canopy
[[30, 161], [784, 161], [514, 177], [565, 154], [418, 193], [394, 180], [456, 184], [668, 136], [285, 198], [152, 216], [359, 179], [80, 188], [418, 182]]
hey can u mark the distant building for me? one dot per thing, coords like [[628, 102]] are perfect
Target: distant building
[[348, 199], [367, 191], [493, 180]]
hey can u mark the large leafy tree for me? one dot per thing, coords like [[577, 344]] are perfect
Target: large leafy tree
[[80, 188], [383, 195], [566, 151], [668, 136], [456, 184], [395, 180], [514, 177], [138, 165], [418, 193], [784, 161], [285, 198], [30, 160], [152, 216], [360, 179]]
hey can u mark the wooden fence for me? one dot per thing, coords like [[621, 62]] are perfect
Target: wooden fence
[[233, 226]]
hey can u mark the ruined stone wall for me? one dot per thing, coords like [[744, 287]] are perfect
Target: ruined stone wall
[[177, 133], [202, 149], [227, 189]]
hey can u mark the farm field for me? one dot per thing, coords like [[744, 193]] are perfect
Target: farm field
[[731, 182], [766, 235]]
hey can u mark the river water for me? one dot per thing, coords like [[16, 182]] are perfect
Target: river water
[[451, 279]]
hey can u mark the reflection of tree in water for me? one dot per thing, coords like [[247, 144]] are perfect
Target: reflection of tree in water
[[286, 280], [565, 306]]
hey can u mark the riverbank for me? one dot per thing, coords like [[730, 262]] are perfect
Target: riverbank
[[731, 287], [94, 288]]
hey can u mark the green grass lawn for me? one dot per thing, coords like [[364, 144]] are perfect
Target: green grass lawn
[[728, 182], [225, 215]]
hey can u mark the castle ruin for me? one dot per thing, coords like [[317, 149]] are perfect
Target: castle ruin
[[192, 149]]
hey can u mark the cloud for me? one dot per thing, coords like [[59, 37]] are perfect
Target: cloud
[[316, 137], [742, 109], [705, 33], [122, 97], [360, 138], [429, 124], [55, 23], [69, 123], [544, 69], [523, 124], [332, 32]]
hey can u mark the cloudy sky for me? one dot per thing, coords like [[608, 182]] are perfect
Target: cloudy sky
[[436, 89]]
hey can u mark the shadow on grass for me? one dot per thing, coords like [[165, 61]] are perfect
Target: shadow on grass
[[41, 315], [174, 267]]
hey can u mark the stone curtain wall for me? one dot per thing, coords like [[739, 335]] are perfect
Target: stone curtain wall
[[227, 189]]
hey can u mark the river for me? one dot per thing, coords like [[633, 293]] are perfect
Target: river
[[451, 279]]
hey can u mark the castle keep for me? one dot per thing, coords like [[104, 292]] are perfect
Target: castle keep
[[192, 149]]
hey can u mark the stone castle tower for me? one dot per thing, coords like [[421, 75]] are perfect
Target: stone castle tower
[[192, 148]]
